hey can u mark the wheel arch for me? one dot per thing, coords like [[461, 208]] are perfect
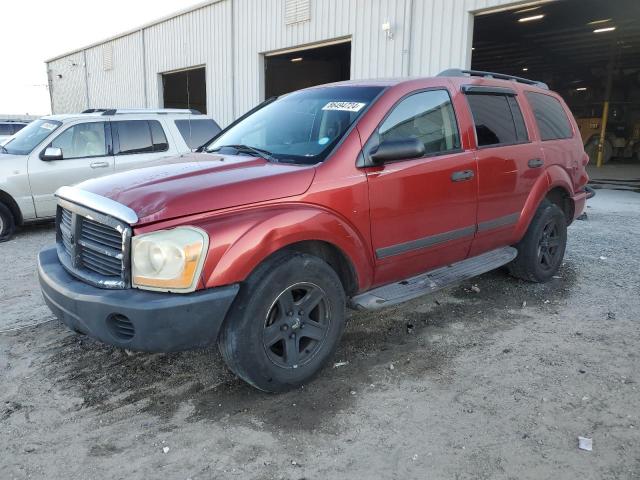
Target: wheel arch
[[334, 257], [12, 206], [556, 186], [306, 229]]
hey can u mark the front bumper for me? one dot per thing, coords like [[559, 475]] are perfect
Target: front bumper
[[131, 318]]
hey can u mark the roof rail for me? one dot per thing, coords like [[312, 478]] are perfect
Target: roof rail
[[157, 111], [458, 72]]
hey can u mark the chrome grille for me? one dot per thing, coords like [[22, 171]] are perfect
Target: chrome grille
[[93, 246]]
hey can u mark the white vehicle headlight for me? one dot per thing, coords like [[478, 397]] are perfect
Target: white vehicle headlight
[[168, 260]]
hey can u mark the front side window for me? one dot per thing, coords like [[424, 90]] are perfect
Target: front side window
[[301, 127], [82, 140], [498, 119], [6, 129], [30, 137], [427, 116], [550, 117]]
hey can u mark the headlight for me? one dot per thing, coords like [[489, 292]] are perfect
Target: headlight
[[169, 260]]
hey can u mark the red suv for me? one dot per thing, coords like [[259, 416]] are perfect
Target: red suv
[[365, 193]]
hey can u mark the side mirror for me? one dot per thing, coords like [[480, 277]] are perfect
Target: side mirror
[[52, 153], [389, 150]]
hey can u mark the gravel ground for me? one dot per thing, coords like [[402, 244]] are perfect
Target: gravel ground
[[495, 383]]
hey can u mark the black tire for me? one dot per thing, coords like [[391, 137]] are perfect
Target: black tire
[[7, 223], [268, 339], [541, 251]]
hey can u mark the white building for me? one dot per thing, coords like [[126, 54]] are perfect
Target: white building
[[225, 56], [234, 40]]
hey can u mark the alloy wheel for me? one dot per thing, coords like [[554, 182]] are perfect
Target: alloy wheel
[[549, 245], [296, 325]]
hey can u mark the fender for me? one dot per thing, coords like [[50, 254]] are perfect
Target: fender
[[555, 176], [241, 241], [558, 177]]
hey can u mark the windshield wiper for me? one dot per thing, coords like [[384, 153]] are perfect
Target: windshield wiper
[[3, 149], [249, 149]]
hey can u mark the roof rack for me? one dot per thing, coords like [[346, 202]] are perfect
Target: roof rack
[[458, 72], [157, 111]]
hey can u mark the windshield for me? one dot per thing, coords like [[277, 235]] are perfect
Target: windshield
[[302, 127], [23, 142]]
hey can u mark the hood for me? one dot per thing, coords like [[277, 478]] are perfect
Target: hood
[[201, 183]]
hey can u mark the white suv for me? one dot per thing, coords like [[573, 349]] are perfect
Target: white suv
[[59, 150]]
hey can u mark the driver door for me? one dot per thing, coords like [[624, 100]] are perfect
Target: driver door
[[86, 153], [422, 210]]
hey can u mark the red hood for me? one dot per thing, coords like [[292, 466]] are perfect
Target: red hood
[[201, 183]]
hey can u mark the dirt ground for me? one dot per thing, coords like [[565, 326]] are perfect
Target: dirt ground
[[462, 384]]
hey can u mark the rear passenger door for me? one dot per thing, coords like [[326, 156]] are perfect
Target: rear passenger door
[[509, 164], [139, 143]]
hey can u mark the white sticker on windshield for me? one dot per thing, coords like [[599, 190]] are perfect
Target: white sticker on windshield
[[48, 126], [344, 106]]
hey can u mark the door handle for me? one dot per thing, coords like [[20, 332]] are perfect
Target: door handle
[[462, 175], [99, 164], [535, 163]]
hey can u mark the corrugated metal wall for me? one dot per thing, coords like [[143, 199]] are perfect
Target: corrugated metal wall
[[120, 86], [230, 38], [67, 84]]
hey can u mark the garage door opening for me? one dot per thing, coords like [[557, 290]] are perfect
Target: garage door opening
[[589, 52], [291, 71], [185, 89]]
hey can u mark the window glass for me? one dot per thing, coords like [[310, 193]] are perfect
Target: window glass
[[301, 127], [197, 132], [82, 140], [550, 117], [521, 129], [158, 137], [497, 118], [6, 129], [134, 136], [426, 116], [18, 126], [29, 137]]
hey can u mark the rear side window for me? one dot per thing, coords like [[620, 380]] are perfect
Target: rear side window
[[197, 132], [550, 117], [427, 116], [139, 136], [498, 119]]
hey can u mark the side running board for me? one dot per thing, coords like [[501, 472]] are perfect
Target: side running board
[[429, 282]]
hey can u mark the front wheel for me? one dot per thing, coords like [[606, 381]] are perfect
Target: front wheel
[[7, 223], [541, 251], [285, 323]]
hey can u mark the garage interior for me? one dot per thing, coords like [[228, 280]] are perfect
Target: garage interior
[[589, 52], [293, 70], [185, 89]]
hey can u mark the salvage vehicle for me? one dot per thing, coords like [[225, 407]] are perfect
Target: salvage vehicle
[[361, 193], [59, 150]]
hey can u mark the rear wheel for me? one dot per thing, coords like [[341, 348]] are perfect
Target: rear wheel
[[7, 223], [286, 322], [541, 251]]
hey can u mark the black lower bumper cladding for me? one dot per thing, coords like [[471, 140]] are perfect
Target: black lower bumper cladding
[[132, 318]]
